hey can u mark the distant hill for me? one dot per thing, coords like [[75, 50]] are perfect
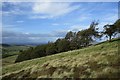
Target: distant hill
[[96, 61], [23, 44], [5, 45]]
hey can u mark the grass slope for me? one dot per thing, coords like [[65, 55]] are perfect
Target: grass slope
[[12, 50], [10, 53], [9, 60], [99, 61]]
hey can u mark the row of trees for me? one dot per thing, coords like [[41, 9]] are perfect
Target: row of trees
[[72, 41]]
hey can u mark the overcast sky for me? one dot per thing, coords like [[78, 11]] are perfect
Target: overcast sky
[[40, 22]]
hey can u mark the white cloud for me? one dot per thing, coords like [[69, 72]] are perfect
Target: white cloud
[[60, 0], [15, 11], [39, 17], [63, 24], [10, 27], [78, 27], [50, 9], [55, 24], [20, 37], [16, 8], [59, 33]]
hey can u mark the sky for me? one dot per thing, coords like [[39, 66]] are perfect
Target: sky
[[40, 22]]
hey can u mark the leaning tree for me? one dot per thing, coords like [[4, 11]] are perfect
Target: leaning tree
[[109, 31]]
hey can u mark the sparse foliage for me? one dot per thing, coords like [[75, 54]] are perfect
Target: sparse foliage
[[109, 31]]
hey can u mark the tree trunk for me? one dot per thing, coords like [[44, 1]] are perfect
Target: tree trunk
[[110, 38]]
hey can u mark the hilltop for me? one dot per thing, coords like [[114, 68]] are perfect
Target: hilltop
[[96, 61]]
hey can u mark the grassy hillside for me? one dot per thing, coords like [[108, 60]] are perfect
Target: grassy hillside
[[12, 50], [9, 60], [10, 53], [98, 61]]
